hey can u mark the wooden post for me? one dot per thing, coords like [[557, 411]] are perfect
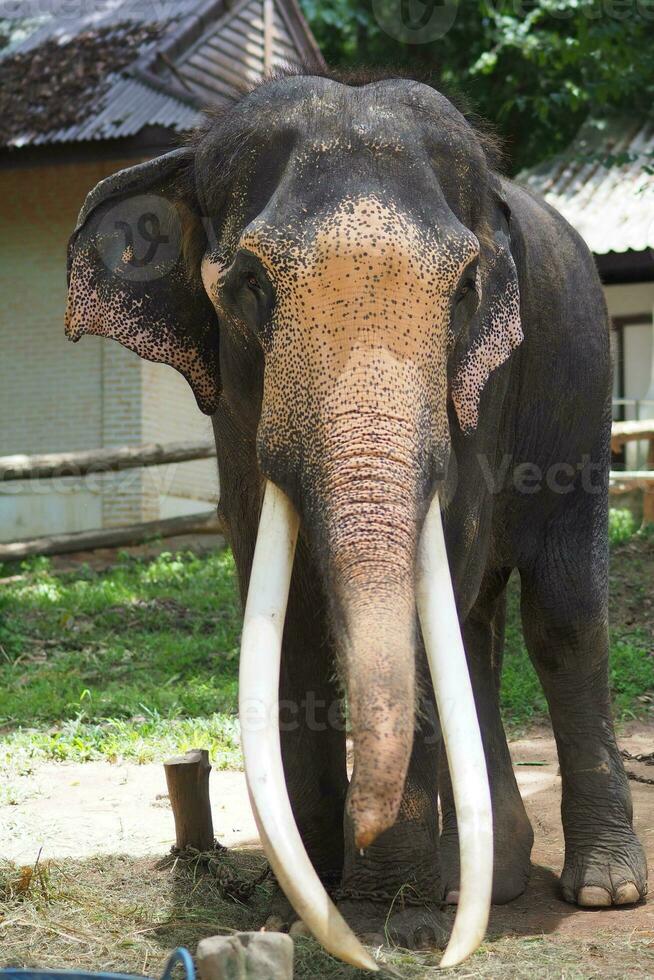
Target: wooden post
[[112, 537], [268, 31], [108, 460], [187, 777], [648, 492]]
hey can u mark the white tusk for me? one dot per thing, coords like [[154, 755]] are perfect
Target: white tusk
[[460, 727], [261, 646]]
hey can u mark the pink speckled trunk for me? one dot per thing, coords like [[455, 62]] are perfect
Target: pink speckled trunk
[[372, 516]]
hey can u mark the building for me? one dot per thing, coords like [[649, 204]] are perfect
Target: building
[[87, 87], [604, 185]]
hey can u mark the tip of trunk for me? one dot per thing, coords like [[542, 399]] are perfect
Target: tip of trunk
[[382, 750], [369, 822]]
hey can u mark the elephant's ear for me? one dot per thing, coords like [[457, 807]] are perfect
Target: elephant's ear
[[128, 279], [497, 328]]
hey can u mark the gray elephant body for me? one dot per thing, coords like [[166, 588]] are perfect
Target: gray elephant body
[[371, 315]]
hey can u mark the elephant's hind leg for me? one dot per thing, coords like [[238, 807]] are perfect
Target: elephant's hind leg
[[483, 634], [564, 611]]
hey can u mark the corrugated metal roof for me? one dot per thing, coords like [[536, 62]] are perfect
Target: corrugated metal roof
[[603, 183], [129, 107], [204, 55], [31, 22]]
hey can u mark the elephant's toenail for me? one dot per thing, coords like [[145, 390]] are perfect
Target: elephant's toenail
[[299, 929], [275, 923], [627, 894], [452, 897], [593, 897], [424, 938]]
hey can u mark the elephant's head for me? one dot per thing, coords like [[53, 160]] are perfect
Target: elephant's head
[[333, 262]]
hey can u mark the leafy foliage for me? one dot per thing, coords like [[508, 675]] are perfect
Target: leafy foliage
[[622, 525], [537, 69]]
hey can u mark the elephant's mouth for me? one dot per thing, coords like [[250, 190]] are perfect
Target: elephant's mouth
[[258, 704]]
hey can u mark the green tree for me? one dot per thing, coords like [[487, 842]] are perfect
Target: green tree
[[536, 69]]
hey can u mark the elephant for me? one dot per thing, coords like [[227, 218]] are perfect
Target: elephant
[[405, 356]]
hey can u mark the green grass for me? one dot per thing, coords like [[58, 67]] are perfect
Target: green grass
[[141, 661], [138, 661]]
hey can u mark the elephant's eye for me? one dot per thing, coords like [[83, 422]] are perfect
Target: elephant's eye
[[253, 283], [466, 287]]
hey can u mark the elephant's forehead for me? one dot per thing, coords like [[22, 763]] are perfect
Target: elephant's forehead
[[366, 277], [366, 241]]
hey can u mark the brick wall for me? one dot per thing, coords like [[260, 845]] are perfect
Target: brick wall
[[170, 414]]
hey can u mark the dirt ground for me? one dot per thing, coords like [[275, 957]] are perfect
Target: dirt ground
[[540, 909], [110, 899], [77, 812]]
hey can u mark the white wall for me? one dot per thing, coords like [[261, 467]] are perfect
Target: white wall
[[49, 397], [57, 396], [170, 414], [632, 301]]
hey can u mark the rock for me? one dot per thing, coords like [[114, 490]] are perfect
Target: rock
[[246, 956]]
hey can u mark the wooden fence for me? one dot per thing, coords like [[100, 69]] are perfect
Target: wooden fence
[[75, 464], [48, 465], [621, 433]]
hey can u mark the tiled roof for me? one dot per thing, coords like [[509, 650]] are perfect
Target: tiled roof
[[148, 62], [604, 184]]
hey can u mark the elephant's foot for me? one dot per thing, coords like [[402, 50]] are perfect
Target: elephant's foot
[[396, 924], [376, 923], [512, 842], [281, 916], [611, 870]]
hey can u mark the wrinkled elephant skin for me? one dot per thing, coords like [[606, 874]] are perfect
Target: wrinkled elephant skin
[[373, 316]]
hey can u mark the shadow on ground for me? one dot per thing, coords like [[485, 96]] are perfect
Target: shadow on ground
[[126, 912]]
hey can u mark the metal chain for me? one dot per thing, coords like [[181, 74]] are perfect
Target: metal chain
[[639, 779], [401, 897], [229, 880], [647, 758], [331, 880]]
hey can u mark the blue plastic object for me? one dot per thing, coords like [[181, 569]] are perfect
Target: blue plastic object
[[180, 956]]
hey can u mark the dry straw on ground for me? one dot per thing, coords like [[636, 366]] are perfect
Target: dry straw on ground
[[125, 914]]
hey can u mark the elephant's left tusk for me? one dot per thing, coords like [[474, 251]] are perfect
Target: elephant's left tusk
[[460, 727], [261, 645]]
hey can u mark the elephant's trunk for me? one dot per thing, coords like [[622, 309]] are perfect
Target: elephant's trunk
[[371, 518], [379, 667]]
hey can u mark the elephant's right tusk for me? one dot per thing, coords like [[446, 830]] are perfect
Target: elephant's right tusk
[[460, 727], [261, 645]]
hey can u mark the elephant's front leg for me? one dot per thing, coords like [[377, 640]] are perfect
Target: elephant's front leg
[[564, 610], [312, 733], [390, 891]]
